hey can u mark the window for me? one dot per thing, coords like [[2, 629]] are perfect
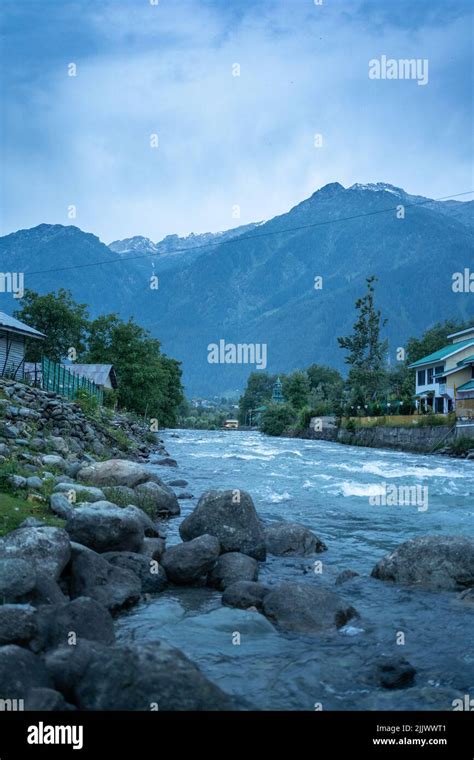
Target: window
[[421, 377], [439, 370], [429, 378]]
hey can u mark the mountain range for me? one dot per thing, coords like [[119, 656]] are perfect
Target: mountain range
[[256, 284]]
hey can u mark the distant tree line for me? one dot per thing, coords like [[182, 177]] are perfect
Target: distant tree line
[[149, 382], [373, 387]]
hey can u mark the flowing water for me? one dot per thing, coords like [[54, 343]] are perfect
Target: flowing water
[[326, 487]]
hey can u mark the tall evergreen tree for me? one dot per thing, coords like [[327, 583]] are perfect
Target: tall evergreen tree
[[366, 350]]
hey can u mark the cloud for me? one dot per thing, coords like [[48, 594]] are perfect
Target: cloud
[[224, 140]]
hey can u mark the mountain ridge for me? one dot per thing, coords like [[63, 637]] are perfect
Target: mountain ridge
[[261, 288]]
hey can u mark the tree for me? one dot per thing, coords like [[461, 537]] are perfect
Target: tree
[[295, 389], [401, 378], [327, 387], [149, 381], [277, 418], [60, 318], [258, 392], [433, 339], [366, 350]]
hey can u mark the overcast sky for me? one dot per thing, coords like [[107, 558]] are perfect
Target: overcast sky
[[224, 140]]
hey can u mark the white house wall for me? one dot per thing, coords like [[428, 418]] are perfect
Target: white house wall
[[16, 352]]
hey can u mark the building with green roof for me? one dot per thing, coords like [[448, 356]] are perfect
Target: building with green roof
[[445, 378]]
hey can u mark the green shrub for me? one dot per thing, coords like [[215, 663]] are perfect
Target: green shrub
[[88, 402], [110, 398], [462, 445], [121, 439], [144, 501], [350, 426], [277, 418]]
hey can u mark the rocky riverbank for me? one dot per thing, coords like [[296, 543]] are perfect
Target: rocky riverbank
[[426, 439], [97, 545]]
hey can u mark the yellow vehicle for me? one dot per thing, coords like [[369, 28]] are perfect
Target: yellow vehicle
[[231, 424]]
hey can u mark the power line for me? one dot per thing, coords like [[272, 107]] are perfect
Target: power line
[[240, 238]]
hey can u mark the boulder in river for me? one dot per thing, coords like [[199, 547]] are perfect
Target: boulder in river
[[105, 527], [153, 548], [148, 677], [230, 516], [91, 575], [84, 617], [152, 576], [245, 594], [167, 462], [191, 561], [306, 608], [292, 539], [436, 563], [232, 567], [116, 472], [394, 673], [345, 576]]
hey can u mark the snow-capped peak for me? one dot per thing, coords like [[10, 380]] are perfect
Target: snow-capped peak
[[378, 187]]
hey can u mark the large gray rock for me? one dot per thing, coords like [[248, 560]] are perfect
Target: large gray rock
[[160, 500], [45, 548], [17, 577], [105, 527], [153, 548], [232, 567], [83, 618], [150, 677], [150, 527], [60, 505], [46, 700], [46, 591], [152, 576], [116, 472], [91, 575], [54, 461], [17, 623], [306, 609], [20, 671], [190, 562], [394, 673], [34, 482], [430, 562], [230, 516], [245, 594], [81, 492], [289, 539]]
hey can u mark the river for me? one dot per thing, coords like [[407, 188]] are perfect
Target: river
[[326, 487]]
